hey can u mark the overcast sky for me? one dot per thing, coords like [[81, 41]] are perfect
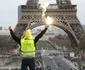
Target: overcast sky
[[9, 11]]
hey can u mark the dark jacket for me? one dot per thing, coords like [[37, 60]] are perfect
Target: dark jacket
[[18, 40]]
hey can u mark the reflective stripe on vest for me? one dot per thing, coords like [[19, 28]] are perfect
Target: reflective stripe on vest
[[27, 48]]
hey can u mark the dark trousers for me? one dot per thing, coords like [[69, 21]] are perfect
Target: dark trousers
[[28, 62]]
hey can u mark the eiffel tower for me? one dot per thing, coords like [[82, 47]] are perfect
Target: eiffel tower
[[63, 13]]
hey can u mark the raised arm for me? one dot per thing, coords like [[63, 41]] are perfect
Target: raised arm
[[13, 35], [41, 33]]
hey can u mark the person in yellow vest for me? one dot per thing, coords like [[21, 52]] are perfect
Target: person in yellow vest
[[28, 45]]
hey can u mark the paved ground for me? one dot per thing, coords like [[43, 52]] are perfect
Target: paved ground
[[51, 63], [57, 63]]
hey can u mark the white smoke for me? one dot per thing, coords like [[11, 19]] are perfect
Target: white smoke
[[47, 19], [44, 8]]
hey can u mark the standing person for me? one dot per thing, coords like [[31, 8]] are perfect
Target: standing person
[[28, 43]]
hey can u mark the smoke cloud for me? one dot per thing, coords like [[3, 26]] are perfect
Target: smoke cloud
[[44, 8]]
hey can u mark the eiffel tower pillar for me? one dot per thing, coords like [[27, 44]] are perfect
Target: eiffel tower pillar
[[71, 20], [25, 17]]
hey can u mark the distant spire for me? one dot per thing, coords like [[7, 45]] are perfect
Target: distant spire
[[32, 3]]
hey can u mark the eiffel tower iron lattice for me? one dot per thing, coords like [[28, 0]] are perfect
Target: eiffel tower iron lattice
[[63, 13]]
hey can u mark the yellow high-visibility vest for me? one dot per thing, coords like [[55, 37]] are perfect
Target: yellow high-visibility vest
[[27, 48]]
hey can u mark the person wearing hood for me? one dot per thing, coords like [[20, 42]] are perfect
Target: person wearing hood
[[27, 47]]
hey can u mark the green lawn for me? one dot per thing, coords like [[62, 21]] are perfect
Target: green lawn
[[44, 44]]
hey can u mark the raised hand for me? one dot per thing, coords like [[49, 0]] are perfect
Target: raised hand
[[10, 28]]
